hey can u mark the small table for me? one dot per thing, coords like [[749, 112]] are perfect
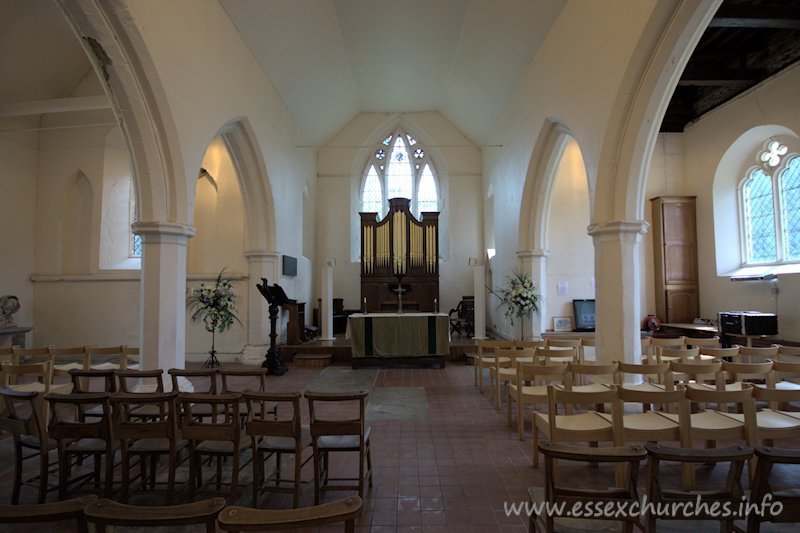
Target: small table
[[13, 336]]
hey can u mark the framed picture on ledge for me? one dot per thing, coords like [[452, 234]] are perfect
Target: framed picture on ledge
[[562, 323]]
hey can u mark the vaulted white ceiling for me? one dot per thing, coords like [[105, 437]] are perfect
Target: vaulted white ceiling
[[331, 59], [328, 59]]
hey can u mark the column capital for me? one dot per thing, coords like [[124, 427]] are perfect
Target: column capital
[[151, 227], [261, 255], [618, 227], [529, 254]]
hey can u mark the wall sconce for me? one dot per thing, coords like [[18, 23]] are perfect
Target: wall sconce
[[331, 262]]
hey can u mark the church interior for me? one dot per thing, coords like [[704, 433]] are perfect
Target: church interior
[[640, 155]]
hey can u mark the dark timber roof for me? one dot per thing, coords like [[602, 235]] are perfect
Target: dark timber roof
[[746, 42]]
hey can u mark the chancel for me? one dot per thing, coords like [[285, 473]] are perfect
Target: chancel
[[591, 165]]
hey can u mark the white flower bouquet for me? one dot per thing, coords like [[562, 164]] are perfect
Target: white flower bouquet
[[519, 296], [215, 305]]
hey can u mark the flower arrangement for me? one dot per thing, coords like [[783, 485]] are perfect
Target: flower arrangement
[[519, 296], [215, 305]]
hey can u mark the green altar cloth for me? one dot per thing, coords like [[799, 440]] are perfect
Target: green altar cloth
[[399, 335]]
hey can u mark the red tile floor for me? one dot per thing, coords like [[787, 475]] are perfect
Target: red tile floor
[[453, 471]]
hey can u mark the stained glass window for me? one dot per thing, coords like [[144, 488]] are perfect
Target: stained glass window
[[790, 208], [399, 181], [759, 218], [372, 197], [401, 168], [426, 195]]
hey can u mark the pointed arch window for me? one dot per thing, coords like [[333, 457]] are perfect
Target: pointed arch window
[[399, 167], [770, 208]]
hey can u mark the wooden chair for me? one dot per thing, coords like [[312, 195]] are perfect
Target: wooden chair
[[722, 354], [577, 344], [93, 380], [247, 519], [204, 382], [49, 512], [35, 377], [591, 377], [761, 489], [522, 344], [587, 426], [79, 438], [147, 437], [557, 354], [681, 355], [754, 354], [703, 342], [712, 425], [734, 374], [247, 380], [23, 418], [650, 425], [651, 376], [107, 357], [280, 433], [786, 375], [24, 356], [664, 342], [647, 348], [568, 496], [588, 342], [105, 513], [505, 369], [336, 428], [789, 354], [539, 376], [66, 359], [485, 358], [217, 436], [773, 423], [131, 357], [141, 382], [695, 372], [729, 494]]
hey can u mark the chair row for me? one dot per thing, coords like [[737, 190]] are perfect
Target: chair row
[[683, 415], [62, 360], [215, 426], [211, 513], [562, 493]]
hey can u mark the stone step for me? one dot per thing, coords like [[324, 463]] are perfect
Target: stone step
[[312, 359]]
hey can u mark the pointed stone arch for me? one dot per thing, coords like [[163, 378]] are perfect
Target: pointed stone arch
[[251, 171], [535, 204], [123, 64]]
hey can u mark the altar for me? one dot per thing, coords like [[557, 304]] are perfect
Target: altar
[[393, 335]]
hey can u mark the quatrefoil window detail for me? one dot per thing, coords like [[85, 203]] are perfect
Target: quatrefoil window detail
[[772, 154]]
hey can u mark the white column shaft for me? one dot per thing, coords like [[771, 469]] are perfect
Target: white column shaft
[[262, 264], [617, 289], [326, 312], [479, 288]]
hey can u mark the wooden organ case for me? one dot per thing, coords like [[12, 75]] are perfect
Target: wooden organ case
[[399, 250]]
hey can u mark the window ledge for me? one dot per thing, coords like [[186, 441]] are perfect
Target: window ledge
[[763, 270]]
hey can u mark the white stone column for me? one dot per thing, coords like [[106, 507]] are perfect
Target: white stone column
[[326, 312], [534, 262], [617, 289], [479, 290], [162, 309], [262, 264]]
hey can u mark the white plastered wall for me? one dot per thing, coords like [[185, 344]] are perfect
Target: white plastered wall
[[208, 83], [773, 103], [340, 170], [578, 92], [571, 258]]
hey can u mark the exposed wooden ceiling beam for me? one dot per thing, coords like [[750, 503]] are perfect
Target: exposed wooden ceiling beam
[[772, 17], [720, 76], [55, 105]]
